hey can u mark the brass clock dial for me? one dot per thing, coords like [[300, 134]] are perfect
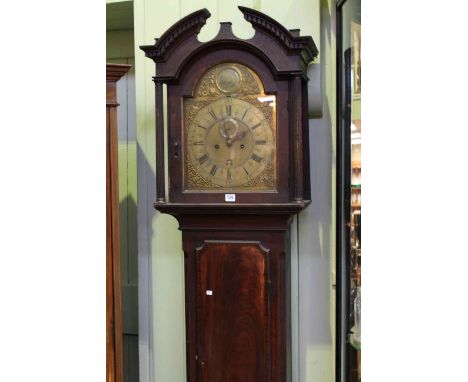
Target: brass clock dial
[[230, 142], [230, 135]]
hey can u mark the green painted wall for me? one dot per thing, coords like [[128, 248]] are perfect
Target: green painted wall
[[119, 45], [120, 49], [313, 231]]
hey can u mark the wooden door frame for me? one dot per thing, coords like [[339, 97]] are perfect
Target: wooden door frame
[[343, 202], [342, 207]]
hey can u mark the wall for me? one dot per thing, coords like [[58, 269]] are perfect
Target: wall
[[120, 49], [161, 291], [316, 226]]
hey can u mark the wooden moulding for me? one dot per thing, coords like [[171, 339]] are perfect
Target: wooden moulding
[[285, 51], [115, 72], [160, 160], [296, 120], [213, 208]]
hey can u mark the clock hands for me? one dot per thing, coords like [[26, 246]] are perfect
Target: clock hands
[[239, 136], [229, 129]]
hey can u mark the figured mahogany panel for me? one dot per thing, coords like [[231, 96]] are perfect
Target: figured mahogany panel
[[232, 312]]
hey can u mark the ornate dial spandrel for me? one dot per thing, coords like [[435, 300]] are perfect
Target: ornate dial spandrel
[[230, 133]]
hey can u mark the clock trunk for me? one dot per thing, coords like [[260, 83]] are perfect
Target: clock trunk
[[237, 290]]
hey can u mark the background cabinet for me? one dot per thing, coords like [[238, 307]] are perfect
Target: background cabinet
[[114, 371]]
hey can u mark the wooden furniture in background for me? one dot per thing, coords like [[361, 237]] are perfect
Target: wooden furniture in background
[[114, 370]]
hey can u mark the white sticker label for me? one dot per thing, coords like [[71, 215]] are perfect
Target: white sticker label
[[229, 197], [209, 292]]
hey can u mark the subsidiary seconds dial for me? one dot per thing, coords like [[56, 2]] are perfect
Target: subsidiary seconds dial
[[229, 142]]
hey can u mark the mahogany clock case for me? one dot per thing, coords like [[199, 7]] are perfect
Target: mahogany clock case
[[236, 255]]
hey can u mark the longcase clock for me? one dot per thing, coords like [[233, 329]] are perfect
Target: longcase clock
[[238, 167]]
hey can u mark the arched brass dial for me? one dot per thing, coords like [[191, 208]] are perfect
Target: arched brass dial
[[229, 134]]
